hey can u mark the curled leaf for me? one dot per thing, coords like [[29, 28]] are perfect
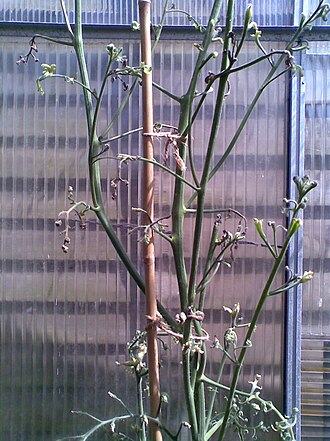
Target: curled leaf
[[135, 26], [146, 69], [49, 69]]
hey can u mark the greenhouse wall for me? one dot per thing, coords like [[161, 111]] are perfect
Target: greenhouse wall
[[65, 319]]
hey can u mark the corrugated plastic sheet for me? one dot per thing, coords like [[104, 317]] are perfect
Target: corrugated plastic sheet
[[66, 318], [316, 296], [279, 13]]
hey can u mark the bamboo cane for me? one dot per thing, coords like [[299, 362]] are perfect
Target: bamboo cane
[[148, 205]]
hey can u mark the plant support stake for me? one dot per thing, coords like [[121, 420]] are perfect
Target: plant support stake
[[148, 206]]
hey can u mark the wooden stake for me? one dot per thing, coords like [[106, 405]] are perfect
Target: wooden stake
[[148, 205]]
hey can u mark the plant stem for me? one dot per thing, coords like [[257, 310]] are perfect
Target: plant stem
[[142, 435], [66, 18], [178, 208], [72, 81], [94, 144], [189, 395], [269, 78], [53, 40], [153, 161], [252, 326], [122, 135], [209, 257], [178, 212], [94, 170], [213, 395], [166, 92], [120, 109], [209, 154], [199, 407]]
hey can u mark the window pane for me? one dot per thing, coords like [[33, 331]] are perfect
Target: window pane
[[308, 6], [316, 299], [125, 11], [66, 318]]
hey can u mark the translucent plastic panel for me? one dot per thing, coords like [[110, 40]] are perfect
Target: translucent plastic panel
[[66, 318], [125, 11], [315, 388], [317, 242], [257, 166], [265, 12], [309, 6], [316, 296]]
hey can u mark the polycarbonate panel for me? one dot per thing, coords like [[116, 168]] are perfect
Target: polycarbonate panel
[[125, 11], [316, 297], [264, 12], [308, 7], [65, 319], [316, 245]]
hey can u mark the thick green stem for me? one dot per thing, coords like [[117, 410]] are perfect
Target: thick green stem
[[210, 152], [94, 169], [178, 212], [189, 396], [177, 221], [198, 406], [178, 209], [200, 388], [79, 48]]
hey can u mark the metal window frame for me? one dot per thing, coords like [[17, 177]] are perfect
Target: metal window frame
[[293, 300]]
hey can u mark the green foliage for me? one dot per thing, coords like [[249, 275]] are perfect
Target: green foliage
[[243, 412]]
